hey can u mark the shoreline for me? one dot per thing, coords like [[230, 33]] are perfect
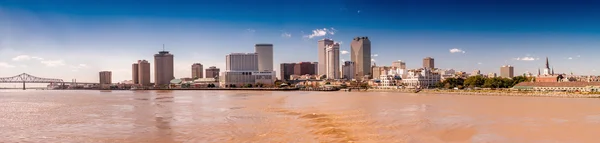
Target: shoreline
[[493, 93]]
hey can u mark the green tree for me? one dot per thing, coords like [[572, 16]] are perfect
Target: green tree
[[474, 81], [450, 83]]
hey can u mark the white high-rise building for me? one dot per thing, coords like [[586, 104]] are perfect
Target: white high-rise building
[[265, 56], [332, 65], [348, 70], [241, 62], [322, 46]]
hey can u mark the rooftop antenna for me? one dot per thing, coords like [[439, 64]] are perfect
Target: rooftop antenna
[[163, 47]]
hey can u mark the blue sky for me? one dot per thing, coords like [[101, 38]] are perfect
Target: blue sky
[[77, 38]]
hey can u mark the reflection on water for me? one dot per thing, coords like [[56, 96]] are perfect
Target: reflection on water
[[303, 117]]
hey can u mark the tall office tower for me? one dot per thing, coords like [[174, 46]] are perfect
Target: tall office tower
[[428, 62], [197, 70], [322, 45], [265, 56], [134, 73], [241, 62], [212, 72], [286, 70], [348, 70], [316, 64], [332, 64], [507, 71], [163, 68], [304, 68], [361, 56], [105, 77], [399, 64], [143, 72]]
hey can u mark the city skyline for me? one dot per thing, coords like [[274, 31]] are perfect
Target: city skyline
[[76, 40]]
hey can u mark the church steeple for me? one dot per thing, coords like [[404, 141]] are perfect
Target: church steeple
[[547, 63], [552, 70]]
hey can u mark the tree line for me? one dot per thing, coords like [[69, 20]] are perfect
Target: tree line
[[481, 82]]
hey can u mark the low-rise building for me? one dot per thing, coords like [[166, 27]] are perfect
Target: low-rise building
[[241, 78], [421, 78], [559, 86]]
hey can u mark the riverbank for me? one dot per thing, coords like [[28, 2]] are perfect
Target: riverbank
[[493, 93], [252, 89]]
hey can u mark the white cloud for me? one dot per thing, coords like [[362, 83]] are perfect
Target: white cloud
[[321, 32], [358, 11], [24, 66], [251, 30], [372, 60], [374, 55], [479, 63], [455, 50], [26, 57], [286, 35], [570, 58], [5, 65], [53, 63], [579, 56], [344, 52], [526, 59]]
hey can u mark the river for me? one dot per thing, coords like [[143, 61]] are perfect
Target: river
[[292, 117]]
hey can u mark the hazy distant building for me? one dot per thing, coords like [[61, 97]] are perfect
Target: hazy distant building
[[507, 71], [348, 70], [491, 75], [361, 56], [241, 62], [322, 46], [134, 73], [429, 62], [163, 68], [105, 77], [265, 56], [476, 73], [197, 70], [399, 64], [212, 72], [332, 64]]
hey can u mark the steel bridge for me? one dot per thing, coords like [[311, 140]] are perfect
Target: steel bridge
[[27, 78]]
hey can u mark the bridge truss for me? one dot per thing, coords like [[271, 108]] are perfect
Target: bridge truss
[[26, 78]]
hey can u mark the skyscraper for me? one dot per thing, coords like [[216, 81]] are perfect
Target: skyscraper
[[134, 73], [348, 70], [361, 56], [241, 62], [429, 63], [322, 45], [212, 72], [286, 70], [163, 68], [197, 70], [143, 72], [507, 71], [265, 56], [332, 64], [105, 77], [304, 68], [399, 64]]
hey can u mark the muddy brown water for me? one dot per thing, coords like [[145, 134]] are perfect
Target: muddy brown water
[[292, 117]]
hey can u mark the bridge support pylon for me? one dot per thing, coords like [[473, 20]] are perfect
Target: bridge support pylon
[[23, 85]]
